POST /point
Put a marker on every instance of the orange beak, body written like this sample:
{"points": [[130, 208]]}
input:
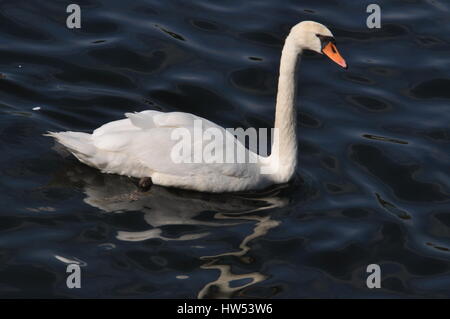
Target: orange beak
{"points": [[331, 51]]}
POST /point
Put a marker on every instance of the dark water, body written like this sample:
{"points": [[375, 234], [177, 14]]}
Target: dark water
{"points": [[373, 184]]}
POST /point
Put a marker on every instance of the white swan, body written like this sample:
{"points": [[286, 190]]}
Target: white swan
{"points": [[141, 145]]}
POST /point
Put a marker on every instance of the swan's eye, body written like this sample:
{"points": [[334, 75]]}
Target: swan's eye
{"points": [[325, 39]]}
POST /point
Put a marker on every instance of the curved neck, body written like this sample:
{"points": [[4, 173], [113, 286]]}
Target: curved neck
{"points": [[284, 148]]}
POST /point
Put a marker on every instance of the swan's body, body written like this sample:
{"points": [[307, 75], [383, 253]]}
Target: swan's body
{"points": [[141, 145]]}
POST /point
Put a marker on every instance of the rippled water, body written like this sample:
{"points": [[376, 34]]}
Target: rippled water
{"points": [[372, 187]]}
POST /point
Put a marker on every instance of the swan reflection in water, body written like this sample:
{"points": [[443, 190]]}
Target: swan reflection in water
{"points": [[163, 207]]}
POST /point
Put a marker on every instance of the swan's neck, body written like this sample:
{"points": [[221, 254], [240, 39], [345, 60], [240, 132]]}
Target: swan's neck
{"points": [[284, 148]]}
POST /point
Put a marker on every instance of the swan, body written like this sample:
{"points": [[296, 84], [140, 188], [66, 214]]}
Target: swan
{"points": [[141, 145]]}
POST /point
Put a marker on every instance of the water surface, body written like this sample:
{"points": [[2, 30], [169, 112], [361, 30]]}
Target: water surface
{"points": [[372, 186]]}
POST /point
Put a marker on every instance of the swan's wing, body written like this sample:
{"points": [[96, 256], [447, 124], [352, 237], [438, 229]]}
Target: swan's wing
{"points": [[146, 137], [115, 136], [151, 119], [155, 119], [126, 125]]}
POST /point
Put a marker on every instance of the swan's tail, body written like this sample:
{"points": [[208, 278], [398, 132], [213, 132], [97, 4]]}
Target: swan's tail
{"points": [[79, 144]]}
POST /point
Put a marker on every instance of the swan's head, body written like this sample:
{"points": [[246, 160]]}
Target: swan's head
{"points": [[316, 37]]}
